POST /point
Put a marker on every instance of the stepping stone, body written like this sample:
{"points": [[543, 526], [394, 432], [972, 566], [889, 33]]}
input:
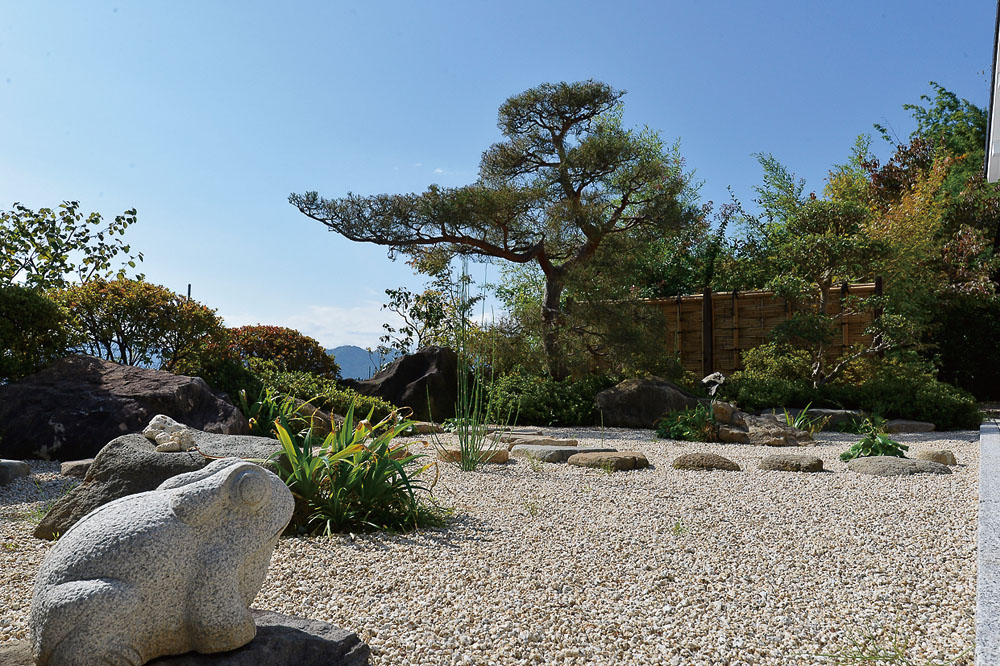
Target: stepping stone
{"points": [[943, 456], [12, 469], [425, 428], [892, 466], [553, 454], [790, 462], [704, 461], [902, 425], [612, 460], [514, 440], [454, 454], [76, 468]]}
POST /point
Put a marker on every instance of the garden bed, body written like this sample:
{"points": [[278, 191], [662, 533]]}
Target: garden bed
{"points": [[547, 563]]}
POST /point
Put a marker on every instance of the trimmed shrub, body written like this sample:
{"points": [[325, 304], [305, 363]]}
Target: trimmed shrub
{"points": [[33, 332], [288, 349], [134, 322], [324, 392], [544, 401]]}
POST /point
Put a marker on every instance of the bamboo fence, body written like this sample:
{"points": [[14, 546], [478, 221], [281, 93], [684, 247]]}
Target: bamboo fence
{"points": [[710, 331]]}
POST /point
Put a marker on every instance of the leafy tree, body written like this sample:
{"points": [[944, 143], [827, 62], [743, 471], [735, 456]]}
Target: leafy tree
{"points": [[566, 177], [288, 349], [32, 331], [41, 248], [133, 322]]}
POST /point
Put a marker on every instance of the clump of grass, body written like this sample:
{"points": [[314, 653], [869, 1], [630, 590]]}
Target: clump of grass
{"points": [[355, 479], [695, 424], [874, 646], [803, 421]]}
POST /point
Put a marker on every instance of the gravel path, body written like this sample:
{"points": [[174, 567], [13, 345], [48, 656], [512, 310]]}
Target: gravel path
{"points": [[562, 565]]}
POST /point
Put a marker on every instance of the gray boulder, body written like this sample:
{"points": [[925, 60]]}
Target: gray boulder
{"points": [[162, 572], [904, 425], [835, 418], [704, 461], [639, 403], [13, 469], [281, 640], [130, 464], [74, 407], [76, 468], [790, 462], [428, 376], [549, 453], [892, 466]]}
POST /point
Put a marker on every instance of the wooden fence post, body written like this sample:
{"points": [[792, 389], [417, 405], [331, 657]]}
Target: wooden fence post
{"points": [[707, 337]]}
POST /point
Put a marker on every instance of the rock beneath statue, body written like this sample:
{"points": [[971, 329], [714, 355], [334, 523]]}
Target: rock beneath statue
{"points": [[163, 572], [130, 464], [639, 403], [426, 380], [77, 405], [281, 640]]}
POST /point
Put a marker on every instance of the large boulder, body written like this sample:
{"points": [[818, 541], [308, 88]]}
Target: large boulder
{"points": [[73, 408], [736, 427], [426, 380], [131, 464], [638, 403], [163, 572]]}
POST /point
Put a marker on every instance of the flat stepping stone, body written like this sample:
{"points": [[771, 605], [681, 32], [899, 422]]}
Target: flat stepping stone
{"points": [[611, 460], [425, 428], [76, 468], [454, 454], [903, 425], [552, 454], [892, 466], [704, 461], [790, 462], [513, 440], [12, 469], [943, 456]]}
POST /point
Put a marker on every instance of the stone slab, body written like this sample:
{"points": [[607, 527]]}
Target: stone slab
{"points": [[528, 440], [12, 469], [552, 454], [988, 584], [903, 425], [76, 468], [893, 466], [704, 461], [611, 460], [282, 640], [791, 462], [943, 456], [454, 454]]}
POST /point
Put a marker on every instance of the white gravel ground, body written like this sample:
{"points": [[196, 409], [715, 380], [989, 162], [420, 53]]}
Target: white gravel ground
{"points": [[563, 565]]}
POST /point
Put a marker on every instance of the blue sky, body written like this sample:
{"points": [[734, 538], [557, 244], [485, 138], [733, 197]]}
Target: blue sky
{"points": [[205, 116]]}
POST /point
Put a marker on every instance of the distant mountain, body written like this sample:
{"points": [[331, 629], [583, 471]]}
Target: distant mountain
{"points": [[356, 363]]}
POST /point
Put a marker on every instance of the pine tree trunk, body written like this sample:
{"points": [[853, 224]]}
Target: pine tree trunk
{"points": [[551, 313]]}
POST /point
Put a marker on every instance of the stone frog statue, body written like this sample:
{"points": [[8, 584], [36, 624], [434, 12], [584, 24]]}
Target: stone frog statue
{"points": [[161, 572]]}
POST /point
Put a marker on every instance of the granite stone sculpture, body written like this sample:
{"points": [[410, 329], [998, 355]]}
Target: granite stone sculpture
{"points": [[162, 572]]}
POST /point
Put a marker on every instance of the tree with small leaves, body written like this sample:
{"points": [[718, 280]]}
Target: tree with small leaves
{"points": [[566, 176]]}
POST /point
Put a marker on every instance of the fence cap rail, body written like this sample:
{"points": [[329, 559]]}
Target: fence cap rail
{"points": [[860, 286]]}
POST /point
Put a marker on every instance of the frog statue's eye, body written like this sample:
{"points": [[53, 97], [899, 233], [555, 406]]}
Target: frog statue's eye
{"points": [[251, 488]]}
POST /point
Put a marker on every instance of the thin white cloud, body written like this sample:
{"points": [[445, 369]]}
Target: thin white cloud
{"points": [[418, 164], [439, 170]]}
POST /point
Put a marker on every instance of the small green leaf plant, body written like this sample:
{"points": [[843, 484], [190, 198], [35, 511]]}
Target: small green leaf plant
{"points": [[803, 421], [875, 443], [695, 424], [355, 479]]}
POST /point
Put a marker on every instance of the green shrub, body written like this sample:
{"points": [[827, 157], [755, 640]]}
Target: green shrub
{"points": [[695, 424], [321, 391], [545, 401], [134, 322], [354, 479], [288, 349], [32, 332]]}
